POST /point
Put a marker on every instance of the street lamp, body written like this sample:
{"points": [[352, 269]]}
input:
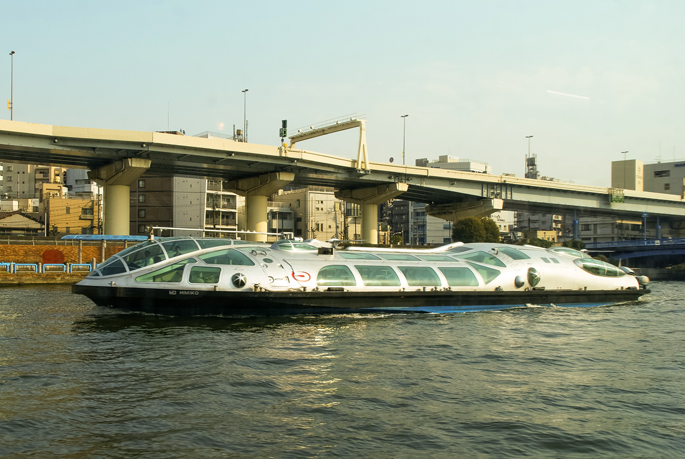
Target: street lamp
{"points": [[12, 86], [624, 153], [404, 136], [245, 115]]}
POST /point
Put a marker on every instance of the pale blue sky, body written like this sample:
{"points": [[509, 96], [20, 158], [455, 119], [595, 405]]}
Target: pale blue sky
{"points": [[474, 77]]}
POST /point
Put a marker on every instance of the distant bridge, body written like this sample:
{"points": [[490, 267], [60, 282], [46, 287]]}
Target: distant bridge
{"points": [[117, 158], [642, 253]]}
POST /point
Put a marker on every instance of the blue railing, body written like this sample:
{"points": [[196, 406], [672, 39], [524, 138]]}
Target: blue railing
{"points": [[635, 243], [47, 268], [32, 266], [62, 267]]}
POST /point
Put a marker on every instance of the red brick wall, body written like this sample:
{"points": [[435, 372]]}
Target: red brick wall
{"points": [[54, 253]]}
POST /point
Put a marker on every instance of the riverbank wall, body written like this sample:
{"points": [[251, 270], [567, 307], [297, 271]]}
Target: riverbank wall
{"points": [[32, 254]]}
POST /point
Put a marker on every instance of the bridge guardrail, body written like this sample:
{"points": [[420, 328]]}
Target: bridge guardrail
{"points": [[634, 243]]}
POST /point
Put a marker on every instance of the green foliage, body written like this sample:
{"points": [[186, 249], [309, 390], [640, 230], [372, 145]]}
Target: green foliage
{"points": [[396, 239], [491, 230], [575, 244], [601, 257], [545, 244], [469, 229]]}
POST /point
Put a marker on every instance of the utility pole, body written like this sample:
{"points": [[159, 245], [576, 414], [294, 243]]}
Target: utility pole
{"points": [[404, 135], [245, 115], [624, 153]]}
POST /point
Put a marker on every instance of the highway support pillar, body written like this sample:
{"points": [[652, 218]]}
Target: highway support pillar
{"points": [[369, 199], [116, 179], [256, 191]]}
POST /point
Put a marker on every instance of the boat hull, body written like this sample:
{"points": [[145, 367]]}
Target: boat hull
{"points": [[265, 303]]}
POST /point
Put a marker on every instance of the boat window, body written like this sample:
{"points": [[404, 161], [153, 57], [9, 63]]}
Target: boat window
{"points": [[397, 257], [358, 256], [598, 267], [554, 260], [179, 247], [145, 257], [513, 253], [204, 275], [211, 243], [226, 257], [237, 242], [459, 249], [436, 258], [259, 250], [420, 276], [336, 275], [545, 260], [133, 248], [482, 257], [171, 273], [287, 244], [488, 274], [568, 251], [115, 267], [459, 277], [378, 276]]}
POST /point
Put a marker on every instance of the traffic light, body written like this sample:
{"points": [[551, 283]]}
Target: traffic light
{"points": [[284, 129]]}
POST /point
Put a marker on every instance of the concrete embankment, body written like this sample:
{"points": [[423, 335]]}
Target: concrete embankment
{"points": [[9, 280], [655, 274]]}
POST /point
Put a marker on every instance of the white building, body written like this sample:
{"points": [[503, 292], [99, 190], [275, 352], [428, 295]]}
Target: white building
{"points": [[456, 164]]}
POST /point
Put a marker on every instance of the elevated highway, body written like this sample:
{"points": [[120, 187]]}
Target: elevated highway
{"points": [[116, 158]]}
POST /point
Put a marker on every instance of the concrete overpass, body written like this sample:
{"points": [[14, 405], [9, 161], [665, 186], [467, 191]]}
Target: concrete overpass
{"points": [[116, 158]]}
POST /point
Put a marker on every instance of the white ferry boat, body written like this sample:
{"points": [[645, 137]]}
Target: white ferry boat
{"points": [[222, 277]]}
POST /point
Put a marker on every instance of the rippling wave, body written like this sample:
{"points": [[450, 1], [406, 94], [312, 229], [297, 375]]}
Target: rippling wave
{"points": [[77, 380]]}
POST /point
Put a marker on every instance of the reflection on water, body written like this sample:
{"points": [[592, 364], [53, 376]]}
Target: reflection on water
{"points": [[80, 380]]}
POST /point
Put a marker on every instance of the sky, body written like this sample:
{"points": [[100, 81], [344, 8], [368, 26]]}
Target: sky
{"points": [[587, 79]]}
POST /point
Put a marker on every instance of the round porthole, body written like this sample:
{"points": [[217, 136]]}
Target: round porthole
{"points": [[267, 260], [519, 281], [533, 277], [239, 280]]}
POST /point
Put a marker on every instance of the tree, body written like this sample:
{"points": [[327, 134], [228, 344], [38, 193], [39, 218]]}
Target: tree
{"points": [[491, 229], [469, 229], [536, 242], [575, 244]]}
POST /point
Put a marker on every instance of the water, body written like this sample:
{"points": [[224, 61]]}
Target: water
{"points": [[82, 381]]}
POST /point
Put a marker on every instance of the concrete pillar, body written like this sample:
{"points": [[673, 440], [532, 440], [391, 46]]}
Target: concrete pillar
{"points": [[369, 199], [116, 178], [256, 191], [117, 212], [256, 217], [370, 223]]}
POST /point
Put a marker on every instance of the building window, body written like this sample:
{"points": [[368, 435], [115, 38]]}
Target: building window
{"points": [[67, 210], [667, 186], [10, 168], [141, 213], [141, 198], [585, 227], [658, 174], [141, 183], [141, 229]]}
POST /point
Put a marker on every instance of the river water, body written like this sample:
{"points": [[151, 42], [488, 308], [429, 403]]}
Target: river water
{"points": [[81, 381]]}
